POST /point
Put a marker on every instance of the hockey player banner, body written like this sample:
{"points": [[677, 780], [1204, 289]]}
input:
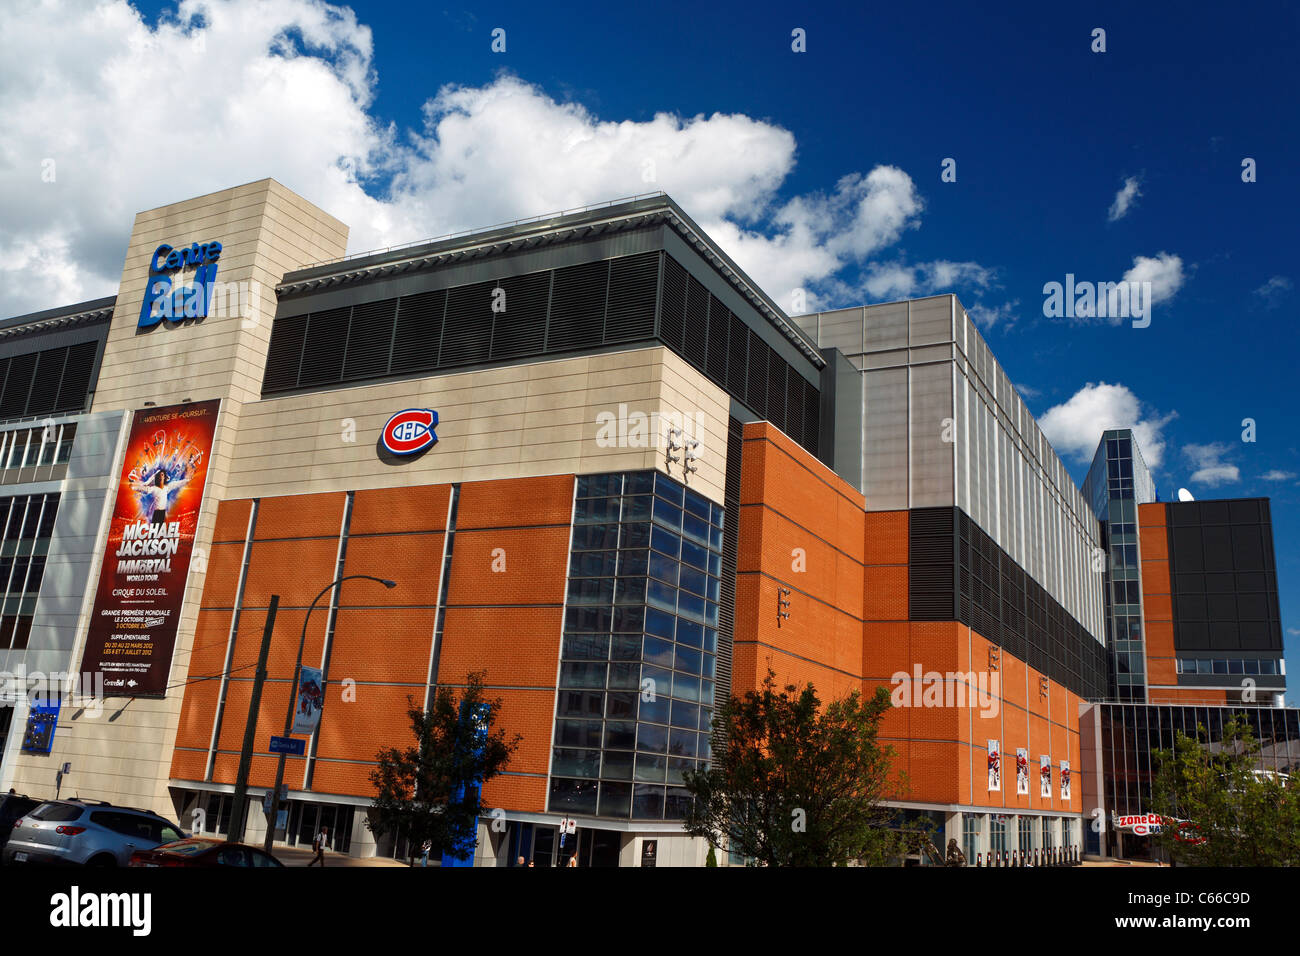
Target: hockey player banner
{"points": [[1045, 777], [995, 766], [147, 557], [1022, 771], [1065, 780], [306, 715]]}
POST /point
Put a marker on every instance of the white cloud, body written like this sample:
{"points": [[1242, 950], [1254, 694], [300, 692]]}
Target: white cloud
{"points": [[987, 316], [1210, 467], [897, 279], [1277, 475], [1074, 427], [1130, 191], [1274, 291], [228, 91], [1164, 271]]}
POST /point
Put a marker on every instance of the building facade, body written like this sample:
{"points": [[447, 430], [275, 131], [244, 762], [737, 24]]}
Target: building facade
{"points": [[1193, 635], [602, 468]]}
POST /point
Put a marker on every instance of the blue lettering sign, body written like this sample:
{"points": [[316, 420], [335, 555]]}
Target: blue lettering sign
{"points": [[161, 301]]}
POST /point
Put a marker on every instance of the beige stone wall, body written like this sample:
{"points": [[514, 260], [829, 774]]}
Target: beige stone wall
{"points": [[518, 421], [265, 230]]}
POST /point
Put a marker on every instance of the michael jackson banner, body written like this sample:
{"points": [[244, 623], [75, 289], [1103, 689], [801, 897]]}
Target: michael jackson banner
{"points": [[150, 540]]}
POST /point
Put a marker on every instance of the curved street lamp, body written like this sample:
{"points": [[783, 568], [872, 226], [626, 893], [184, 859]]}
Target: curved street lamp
{"points": [[293, 697]]}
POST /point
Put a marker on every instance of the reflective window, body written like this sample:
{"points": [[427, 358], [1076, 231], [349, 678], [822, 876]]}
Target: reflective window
{"points": [[639, 645]]}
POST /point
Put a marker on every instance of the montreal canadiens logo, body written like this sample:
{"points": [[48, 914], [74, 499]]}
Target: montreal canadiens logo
{"points": [[410, 431]]}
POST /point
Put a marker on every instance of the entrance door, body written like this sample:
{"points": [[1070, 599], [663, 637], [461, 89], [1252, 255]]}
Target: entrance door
{"points": [[308, 825]]}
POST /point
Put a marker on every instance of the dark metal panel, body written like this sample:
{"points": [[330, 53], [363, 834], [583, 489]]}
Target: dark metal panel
{"points": [[467, 325], [521, 328], [323, 347], [418, 334]]}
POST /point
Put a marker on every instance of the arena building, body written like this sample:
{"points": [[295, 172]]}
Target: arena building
{"points": [[597, 462]]}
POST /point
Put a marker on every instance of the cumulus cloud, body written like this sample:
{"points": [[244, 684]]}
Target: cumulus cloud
{"points": [[1130, 191], [1210, 467], [987, 316], [109, 99], [1074, 427], [1272, 292], [1163, 270]]}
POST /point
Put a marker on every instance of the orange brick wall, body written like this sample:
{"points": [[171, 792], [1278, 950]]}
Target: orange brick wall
{"points": [[849, 629], [801, 528], [507, 622], [1157, 600]]}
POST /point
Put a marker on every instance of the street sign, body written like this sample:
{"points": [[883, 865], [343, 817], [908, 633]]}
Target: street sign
{"points": [[288, 745]]}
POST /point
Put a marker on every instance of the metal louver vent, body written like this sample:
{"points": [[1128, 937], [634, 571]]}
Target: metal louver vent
{"points": [[418, 334], [578, 306], [633, 285], [369, 339], [324, 347], [520, 329], [467, 325], [672, 305]]}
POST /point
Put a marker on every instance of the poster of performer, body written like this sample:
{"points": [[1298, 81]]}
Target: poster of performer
{"points": [[306, 716], [1045, 777], [150, 539], [995, 766], [1065, 780], [1022, 771]]}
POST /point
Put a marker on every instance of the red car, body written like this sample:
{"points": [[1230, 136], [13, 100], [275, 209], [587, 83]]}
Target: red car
{"points": [[204, 851]]}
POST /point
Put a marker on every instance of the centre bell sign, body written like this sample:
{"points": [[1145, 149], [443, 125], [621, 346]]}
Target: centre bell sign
{"points": [[192, 301]]}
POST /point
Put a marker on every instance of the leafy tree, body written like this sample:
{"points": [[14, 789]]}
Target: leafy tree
{"points": [[1221, 810], [798, 784], [430, 792]]}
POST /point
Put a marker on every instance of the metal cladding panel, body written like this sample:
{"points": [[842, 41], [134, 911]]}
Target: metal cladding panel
{"points": [[886, 430], [94, 449], [930, 321], [843, 330], [930, 474], [886, 326], [961, 451]]}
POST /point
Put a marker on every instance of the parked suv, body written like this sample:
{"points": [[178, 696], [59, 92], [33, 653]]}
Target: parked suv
{"points": [[86, 832], [12, 807]]}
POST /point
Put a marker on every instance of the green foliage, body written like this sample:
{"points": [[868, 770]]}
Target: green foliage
{"points": [[712, 858], [1241, 816], [426, 791], [798, 784]]}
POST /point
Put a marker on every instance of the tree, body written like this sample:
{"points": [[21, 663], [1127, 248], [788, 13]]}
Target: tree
{"points": [[798, 784], [431, 792], [1219, 808]]}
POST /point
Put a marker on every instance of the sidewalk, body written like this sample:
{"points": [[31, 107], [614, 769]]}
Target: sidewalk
{"points": [[301, 856]]}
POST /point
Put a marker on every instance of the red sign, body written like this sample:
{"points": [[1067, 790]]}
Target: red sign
{"points": [[410, 431], [1141, 824], [147, 557]]}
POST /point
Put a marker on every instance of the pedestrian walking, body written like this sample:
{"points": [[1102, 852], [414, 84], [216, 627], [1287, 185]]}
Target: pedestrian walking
{"points": [[319, 844]]}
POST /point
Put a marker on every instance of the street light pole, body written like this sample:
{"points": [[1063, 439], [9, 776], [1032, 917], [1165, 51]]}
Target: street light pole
{"points": [[273, 816]]}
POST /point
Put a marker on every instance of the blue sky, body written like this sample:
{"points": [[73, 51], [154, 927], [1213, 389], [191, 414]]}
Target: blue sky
{"points": [[1045, 134]]}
